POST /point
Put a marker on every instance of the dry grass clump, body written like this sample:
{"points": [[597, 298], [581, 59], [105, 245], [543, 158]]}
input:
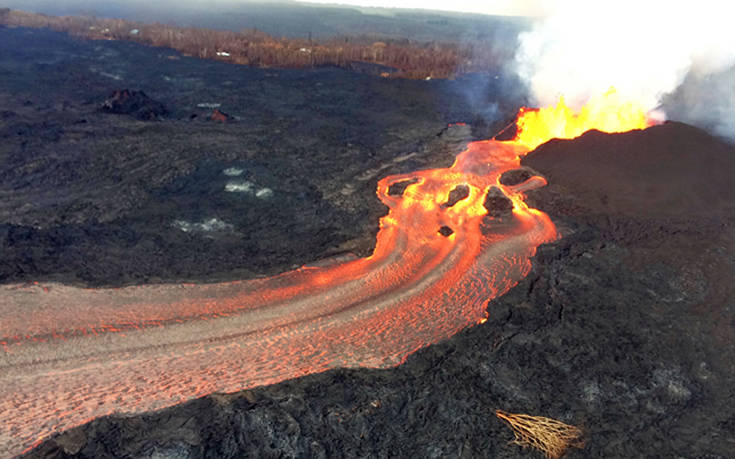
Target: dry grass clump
{"points": [[548, 435], [255, 48]]}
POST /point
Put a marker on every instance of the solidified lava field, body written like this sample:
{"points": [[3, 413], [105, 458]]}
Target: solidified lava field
{"points": [[95, 199], [624, 326]]}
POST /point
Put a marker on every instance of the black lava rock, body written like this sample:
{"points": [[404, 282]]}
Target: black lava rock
{"points": [[497, 203], [134, 103], [446, 231], [515, 177], [459, 193], [397, 188]]}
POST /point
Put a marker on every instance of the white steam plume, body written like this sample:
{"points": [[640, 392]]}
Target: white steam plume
{"points": [[643, 48]]}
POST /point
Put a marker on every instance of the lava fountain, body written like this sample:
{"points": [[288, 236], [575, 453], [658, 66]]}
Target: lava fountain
{"points": [[453, 239]]}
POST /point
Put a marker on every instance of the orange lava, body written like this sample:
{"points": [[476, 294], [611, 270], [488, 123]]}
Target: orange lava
{"points": [[68, 355], [72, 354], [607, 113]]}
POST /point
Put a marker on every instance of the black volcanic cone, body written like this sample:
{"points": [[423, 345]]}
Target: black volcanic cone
{"points": [[671, 169]]}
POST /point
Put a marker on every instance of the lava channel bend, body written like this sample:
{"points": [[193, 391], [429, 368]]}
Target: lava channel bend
{"points": [[68, 355]]}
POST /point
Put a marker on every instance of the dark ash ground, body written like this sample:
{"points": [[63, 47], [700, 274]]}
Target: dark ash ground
{"points": [[625, 326]]}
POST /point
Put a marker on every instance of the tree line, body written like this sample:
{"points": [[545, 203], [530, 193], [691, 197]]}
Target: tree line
{"points": [[394, 58]]}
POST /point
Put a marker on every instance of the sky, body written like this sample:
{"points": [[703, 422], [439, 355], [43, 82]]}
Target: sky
{"points": [[502, 7]]}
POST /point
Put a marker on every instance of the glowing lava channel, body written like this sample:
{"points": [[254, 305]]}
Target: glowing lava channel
{"points": [[68, 354]]}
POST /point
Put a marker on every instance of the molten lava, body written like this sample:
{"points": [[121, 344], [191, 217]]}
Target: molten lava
{"points": [[607, 113], [453, 239]]}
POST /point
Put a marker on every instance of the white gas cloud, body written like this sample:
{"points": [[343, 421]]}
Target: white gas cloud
{"points": [[645, 49]]}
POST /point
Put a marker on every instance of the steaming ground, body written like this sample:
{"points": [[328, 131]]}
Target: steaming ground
{"points": [[706, 100]]}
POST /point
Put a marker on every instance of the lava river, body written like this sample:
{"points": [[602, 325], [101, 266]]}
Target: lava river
{"points": [[453, 239], [68, 355]]}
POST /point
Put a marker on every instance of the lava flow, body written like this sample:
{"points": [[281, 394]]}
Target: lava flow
{"points": [[453, 239]]}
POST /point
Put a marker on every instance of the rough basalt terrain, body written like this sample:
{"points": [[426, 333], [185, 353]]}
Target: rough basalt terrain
{"points": [[111, 172], [625, 326]]}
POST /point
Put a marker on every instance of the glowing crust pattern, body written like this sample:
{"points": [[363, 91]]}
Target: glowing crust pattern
{"points": [[68, 355]]}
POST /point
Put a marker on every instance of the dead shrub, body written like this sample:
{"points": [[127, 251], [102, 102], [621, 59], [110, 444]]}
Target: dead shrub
{"points": [[548, 435]]}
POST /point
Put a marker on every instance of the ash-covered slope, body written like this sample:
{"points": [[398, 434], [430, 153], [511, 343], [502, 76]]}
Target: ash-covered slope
{"points": [[624, 327]]}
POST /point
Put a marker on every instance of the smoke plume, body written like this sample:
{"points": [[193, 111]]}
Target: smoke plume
{"points": [[668, 56]]}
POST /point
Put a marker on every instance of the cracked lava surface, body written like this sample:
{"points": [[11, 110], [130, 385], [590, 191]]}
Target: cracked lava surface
{"points": [[68, 354]]}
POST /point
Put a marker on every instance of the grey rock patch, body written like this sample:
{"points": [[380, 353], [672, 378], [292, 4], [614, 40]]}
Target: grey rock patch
{"points": [[206, 226], [233, 171]]}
